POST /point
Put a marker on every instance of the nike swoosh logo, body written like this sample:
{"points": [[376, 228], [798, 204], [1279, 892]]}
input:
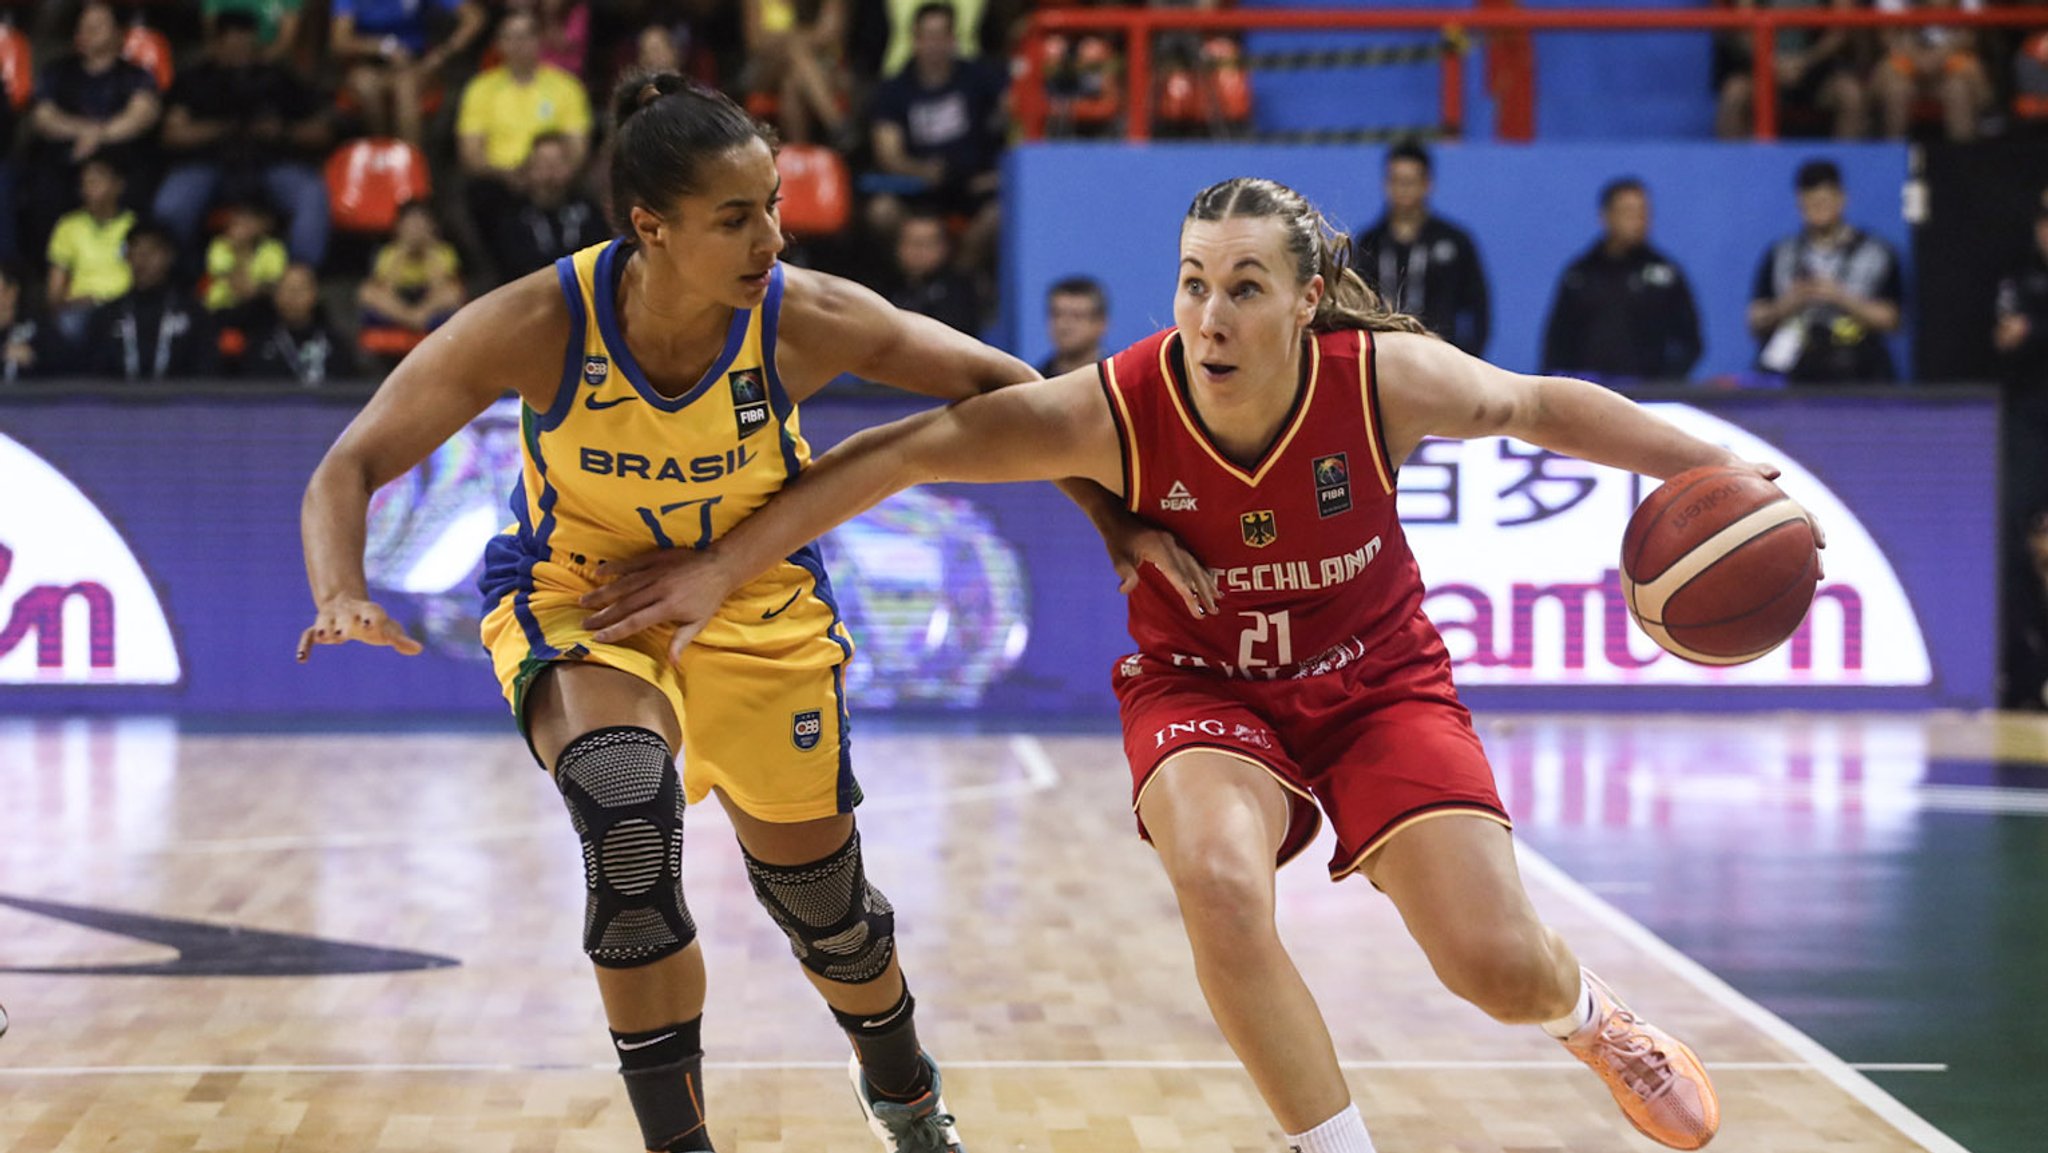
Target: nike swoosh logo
{"points": [[206, 950], [878, 1022], [595, 405], [629, 1046], [773, 613]]}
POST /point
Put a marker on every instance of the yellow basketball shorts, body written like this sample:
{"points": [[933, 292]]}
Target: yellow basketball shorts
{"points": [[759, 696]]}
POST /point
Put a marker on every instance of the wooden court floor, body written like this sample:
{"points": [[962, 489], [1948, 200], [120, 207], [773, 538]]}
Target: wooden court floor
{"points": [[1039, 935]]}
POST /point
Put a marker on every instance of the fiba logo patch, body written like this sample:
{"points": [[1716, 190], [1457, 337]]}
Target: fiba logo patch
{"points": [[1259, 528], [749, 401], [805, 729], [595, 369], [1333, 485]]}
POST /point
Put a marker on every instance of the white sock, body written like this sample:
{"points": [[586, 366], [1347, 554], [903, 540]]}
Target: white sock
{"points": [[1344, 1133], [1578, 1018]]}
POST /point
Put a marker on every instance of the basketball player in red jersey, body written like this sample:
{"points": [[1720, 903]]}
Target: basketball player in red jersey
{"points": [[1266, 429]]}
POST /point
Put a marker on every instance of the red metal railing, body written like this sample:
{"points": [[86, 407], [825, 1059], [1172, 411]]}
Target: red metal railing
{"points": [[1137, 26]]}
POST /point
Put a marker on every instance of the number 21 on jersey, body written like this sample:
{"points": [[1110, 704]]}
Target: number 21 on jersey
{"points": [[1268, 632]]}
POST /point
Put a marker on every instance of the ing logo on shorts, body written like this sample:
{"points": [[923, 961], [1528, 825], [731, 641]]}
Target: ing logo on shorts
{"points": [[806, 728]]}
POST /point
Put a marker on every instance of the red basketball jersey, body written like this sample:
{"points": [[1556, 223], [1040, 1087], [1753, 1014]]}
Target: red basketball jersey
{"points": [[1305, 544]]}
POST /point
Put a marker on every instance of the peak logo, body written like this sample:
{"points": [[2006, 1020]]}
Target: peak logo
{"points": [[1519, 549], [75, 606]]}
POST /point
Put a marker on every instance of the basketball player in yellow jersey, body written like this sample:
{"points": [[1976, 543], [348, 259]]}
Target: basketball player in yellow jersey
{"points": [[660, 375]]}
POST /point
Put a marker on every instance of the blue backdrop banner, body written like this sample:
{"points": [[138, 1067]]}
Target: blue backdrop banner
{"points": [[149, 560]]}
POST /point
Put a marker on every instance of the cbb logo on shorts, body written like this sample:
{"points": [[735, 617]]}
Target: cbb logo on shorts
{"points": [[805, 729]]}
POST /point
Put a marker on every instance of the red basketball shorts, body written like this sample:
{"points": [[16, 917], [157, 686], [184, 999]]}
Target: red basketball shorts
{"points": [[1374, 751]]}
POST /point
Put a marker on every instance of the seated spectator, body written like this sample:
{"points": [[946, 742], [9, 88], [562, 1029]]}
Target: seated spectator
{"points": [[390, 58], [938, 135], [1421, 263], [277, 24], [1816, 77], [551, 219], [564, 28], [795, 64], [10, 223], [154, 331], [416, 281], [1825, 299], [243, 263], [24, 342], [290, 339], [88, 251], [925, 284], [89, 104], [1934, 64], [505, 109], [1623, 310], [2020, 333], [237, 124], [1076, 318]]}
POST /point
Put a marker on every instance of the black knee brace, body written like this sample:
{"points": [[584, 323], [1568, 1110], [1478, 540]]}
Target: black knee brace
{"points": [[839, 926], [627, 803]]}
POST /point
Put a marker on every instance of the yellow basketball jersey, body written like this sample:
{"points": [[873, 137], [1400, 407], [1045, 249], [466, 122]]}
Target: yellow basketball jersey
{"points": [[615, 469]]}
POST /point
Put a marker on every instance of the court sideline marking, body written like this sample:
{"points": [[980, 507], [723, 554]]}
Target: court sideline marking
{"points": [[1844, 1076], [840, 1067]]}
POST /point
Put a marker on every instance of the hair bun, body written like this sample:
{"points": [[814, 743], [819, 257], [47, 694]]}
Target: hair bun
{"points": [[643, 90]]}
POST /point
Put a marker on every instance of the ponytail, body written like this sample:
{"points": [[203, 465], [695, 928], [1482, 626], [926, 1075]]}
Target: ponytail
{"points": [[665, 128]]}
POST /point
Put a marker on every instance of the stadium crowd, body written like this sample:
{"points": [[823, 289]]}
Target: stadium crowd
{"points": [[301, 189]]}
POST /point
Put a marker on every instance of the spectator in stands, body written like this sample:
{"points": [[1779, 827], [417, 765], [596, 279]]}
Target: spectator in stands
{"points": [[89, 104], [1076, 319], [925, 282], [1935, 64], [794, 64], [24, 341], [887, 44], [291, 339], [504, 110], [239, 126], [243, 263], [1825, 299], [277, 24], [938, 135], [551, 218], [2020, 335], [416, 281], [1623, 310], [154, 331], [1815, 74], [564, 30], [10, 224], [88, 251], [1419, 262], [390, 58]]}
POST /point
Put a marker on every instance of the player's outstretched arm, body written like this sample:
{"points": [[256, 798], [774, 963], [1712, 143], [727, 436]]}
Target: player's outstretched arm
{"points": [[455, 374], [1036, 431], [1430, 388], [832, 325]]}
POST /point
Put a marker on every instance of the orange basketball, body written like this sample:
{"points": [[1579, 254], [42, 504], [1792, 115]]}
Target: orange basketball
{"points": [[1719, 565]]}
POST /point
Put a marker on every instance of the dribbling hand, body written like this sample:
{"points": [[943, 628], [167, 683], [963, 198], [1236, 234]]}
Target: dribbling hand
{"points": [[347, 619], [1771, 472]]}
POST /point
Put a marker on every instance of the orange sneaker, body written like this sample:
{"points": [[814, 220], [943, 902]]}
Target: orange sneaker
{"points": [[1661, 1087]]}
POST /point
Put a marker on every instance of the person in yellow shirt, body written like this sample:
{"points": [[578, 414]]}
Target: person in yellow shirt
{"points": [[88, 259], [416, 281], [244, 262], [504, 110]]}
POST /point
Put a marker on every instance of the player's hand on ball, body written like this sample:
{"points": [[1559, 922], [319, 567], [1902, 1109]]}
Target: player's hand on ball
{"points": [[345, 619], [1770, 471], [1138, 544], [671, 586]]}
